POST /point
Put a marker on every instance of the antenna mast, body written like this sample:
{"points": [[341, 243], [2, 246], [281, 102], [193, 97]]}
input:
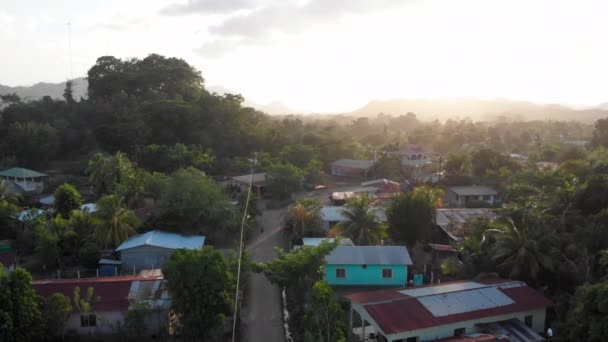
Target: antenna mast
{"points": [[69, 24]]}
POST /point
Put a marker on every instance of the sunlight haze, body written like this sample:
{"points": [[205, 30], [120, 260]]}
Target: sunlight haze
{"points": [[327, 56]]}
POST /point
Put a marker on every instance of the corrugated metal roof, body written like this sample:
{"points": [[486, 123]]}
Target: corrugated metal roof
{"points": [[513, 329], [113, 292], [379, 182], [452, 220], [354, 163], [395, 312], [257, 178], [314, 241], [162, 239], [47, 199], [334, 214], [29, 214], [20, 172], [369, 255], [475, 190], [89, 207]]}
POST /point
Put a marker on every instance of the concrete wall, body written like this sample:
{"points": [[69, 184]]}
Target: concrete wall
{"points": [[456, 201], [538, 324], [144, 257], [370, 275], [109, 322]]}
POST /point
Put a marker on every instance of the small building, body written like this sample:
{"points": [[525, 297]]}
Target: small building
{"points": [[368, 266], [333, 215], [112, 299], [258, 185], [152, 249], [451, 221], [23, 181], [351, 168], [498, 307], [412, 155], [461, 196], [442, 252]]}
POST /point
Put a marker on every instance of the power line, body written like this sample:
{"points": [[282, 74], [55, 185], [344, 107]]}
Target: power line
{"points": [[240, 254]]}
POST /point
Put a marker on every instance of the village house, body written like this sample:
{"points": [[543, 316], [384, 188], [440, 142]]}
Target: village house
{"points": [[112, 299], [462, 196], [18, 180], [258, 185], [506, 310], [152, 249], [412, 155], [368, 266], [315, 241], [332, 215], [351, 168], [451, 221]]}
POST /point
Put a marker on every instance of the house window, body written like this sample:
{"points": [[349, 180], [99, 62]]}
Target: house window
{"points": [[340, 273], [487, 197], [412, 339], [89, 320], [528, 321], [387, 273], [459, 332]]}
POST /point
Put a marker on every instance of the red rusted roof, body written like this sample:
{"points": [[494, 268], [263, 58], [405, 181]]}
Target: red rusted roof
{"points": [[8, 258], [113, 292], [395, 312]]}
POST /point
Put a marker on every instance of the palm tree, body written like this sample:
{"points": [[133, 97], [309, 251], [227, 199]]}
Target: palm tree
{"points": [[303, 218], [362, 224], [117, 222], [520, 251]]}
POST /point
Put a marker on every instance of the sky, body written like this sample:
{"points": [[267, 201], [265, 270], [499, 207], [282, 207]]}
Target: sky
{"points": [[327, 55]]}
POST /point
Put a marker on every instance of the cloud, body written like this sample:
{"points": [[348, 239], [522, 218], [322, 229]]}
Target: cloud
{"points": [[208, 6], [256, 26], [292, 17]]}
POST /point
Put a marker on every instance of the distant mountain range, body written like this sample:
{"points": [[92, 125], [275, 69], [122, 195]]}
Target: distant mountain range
{"points": [[481, 110], [423, 108], [54, 90]]}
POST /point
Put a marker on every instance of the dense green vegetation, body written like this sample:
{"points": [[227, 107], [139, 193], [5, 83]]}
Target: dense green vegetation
{"points": [[150, 131]]}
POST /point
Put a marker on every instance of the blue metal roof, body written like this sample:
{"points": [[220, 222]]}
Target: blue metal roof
{"points": [[369, 255], [162, 239]]}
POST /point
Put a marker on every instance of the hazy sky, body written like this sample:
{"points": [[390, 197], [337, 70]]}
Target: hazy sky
{"points": [[327, 55]]}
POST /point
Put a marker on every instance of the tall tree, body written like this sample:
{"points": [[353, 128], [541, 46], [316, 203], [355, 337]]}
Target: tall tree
{"points": [[197, 204], [522, 252], [56, 309], [362, 224], [67, 198], [106, 174], [117, 222], [410, 217], [201, 286], [325, 319], [20, 314], [304, 218], [68, 93]]}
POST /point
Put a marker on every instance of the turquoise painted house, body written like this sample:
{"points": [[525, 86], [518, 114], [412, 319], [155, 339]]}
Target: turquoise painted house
{"points": [[368, 266]]}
